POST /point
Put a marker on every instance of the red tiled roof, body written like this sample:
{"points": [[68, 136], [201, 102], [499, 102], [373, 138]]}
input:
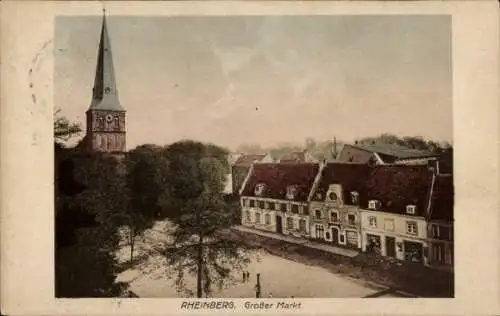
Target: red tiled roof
{"points": [[350, 176], [277, 177], [397, 186], [443, 199], [246, 160]]}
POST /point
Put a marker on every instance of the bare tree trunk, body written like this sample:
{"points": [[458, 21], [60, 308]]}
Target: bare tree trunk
{"points": [[132, 242], [200, 268]]}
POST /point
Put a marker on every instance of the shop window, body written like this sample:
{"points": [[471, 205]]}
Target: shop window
{"points": [[320, 231], [302, 225]]}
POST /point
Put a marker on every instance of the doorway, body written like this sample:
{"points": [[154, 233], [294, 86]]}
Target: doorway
{"points": [[279, 225], [390, 246], [335, 235]]}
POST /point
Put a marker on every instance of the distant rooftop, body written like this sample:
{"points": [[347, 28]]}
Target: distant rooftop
{"points": [[397, 151], [249, 159]]}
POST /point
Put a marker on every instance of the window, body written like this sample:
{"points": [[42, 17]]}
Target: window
{"points": [[332, 196], [334, 217], [283, 207], [355, 197], [302, 225], [289, 223], [305, 210], [341, 239], [268, 219], [301, 209], [262, 205], [259, 189], [272, 206], [411, 228], [295, 208], [291, 190], [374, 204], [248, 216], [319, 196], [351, 219], [317, 214], [372, 220], [435, 231], [410, 209], [257, 217], [389, 225], [252, 203], [320, 231]]}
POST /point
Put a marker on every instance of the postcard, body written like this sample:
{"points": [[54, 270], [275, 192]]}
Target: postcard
{"points": [[164, 158]]}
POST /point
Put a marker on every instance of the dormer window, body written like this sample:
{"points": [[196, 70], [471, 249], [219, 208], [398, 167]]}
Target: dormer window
{"points": [[259, 189], [374, 204], [332, 196], [411, 209], [355, 198], [291, 191]]}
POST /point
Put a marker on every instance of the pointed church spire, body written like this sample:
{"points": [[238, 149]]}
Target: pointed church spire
{"points": [[105, 94]]}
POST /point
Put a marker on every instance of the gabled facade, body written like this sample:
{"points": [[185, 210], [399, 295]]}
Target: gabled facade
{"points": [[334, 207], [394, 205], [440, 223], [274, 197]]}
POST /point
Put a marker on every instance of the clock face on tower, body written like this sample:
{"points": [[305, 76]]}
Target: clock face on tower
{"points": [[108, 122]]}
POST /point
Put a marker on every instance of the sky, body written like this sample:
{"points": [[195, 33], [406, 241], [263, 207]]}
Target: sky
{"points": [[232, 80]]}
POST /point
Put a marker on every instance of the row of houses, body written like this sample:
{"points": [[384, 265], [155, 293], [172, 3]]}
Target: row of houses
{"points": [[404, 211], [373, 154]]}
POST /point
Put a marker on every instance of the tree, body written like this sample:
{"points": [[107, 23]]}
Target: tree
{"points": [[63, 128], [195, 201], [144, 183], [88, 267]]}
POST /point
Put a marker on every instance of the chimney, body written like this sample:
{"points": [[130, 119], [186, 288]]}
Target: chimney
{"points": [[334, 148]]}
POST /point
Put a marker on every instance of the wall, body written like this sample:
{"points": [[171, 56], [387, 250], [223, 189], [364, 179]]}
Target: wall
{"points": [[441, 248], [271, 227], [342, 224], [296, 218], [399, 231]]}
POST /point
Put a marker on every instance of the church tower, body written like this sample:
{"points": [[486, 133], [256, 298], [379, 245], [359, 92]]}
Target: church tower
{"points": [[105, 117]]}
